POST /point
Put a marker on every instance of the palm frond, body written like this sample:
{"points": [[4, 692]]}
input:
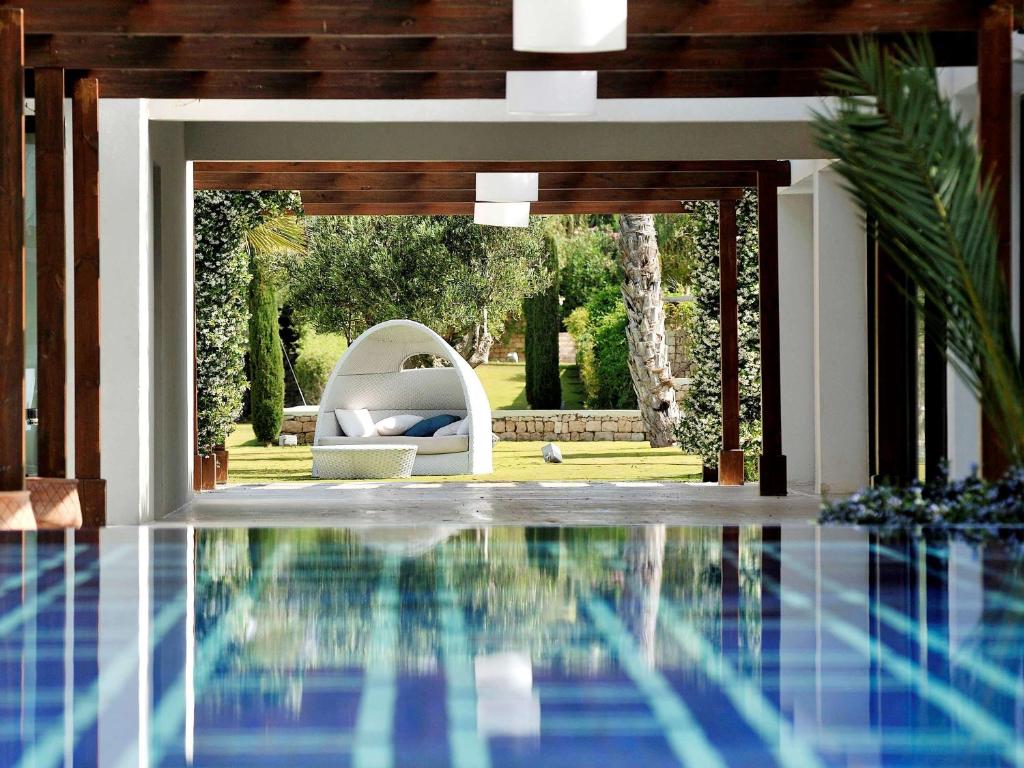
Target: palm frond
{"points": [[283, 234], [912, 163]]}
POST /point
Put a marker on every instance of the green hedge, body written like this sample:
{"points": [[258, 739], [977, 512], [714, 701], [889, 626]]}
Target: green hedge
{"points": [[541, 312], [602, 351]]}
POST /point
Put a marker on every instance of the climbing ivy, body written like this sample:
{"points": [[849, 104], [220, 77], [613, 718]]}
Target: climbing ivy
{"points": [[220, 221], [700, 427]]}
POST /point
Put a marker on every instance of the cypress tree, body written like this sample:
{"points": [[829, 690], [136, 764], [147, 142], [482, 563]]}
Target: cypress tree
{"points": [[543, 386], [265, 361]]}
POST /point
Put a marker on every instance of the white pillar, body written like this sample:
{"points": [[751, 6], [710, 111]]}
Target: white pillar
{"points": [[796, 321], [840, 338], [126, 309]]}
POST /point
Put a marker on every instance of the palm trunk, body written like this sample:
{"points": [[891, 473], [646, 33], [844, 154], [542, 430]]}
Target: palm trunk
{"points": [[645, 327]]}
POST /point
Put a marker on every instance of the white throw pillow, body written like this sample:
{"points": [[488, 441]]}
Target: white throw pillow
{"points": [[396, 425], [355, 423], [450, 429], [463, 427]]}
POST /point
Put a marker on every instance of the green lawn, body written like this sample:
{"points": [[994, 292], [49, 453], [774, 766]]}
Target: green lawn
{"points": [[513, 462], [505, 384]]}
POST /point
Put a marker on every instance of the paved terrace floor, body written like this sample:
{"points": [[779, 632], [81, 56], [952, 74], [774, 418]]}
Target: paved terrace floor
{"points": [[540, 503]]}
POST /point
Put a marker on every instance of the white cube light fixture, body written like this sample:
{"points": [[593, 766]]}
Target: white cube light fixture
{"points": [[569, 26], [507, 187], [551, 93], [502, 214]]}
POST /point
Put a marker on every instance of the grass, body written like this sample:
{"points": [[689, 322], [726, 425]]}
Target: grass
{"points": [[505, 384], [331, 345], [513, 462]]}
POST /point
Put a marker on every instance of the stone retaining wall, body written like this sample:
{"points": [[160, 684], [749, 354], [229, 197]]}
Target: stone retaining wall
{"points": [[564, 426]]}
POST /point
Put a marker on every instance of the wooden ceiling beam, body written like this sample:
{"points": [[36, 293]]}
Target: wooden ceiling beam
{"points": [[374, 196], [430, 54], [165, 84], [355, 182], [468, 166], [538, 209], [311, 18]]}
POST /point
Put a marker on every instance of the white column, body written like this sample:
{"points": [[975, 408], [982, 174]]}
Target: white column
{"points": [[126, 308], [840, 338], [796, 322]]}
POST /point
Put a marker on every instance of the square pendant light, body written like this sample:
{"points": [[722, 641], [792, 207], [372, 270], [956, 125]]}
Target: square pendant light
{"points": [[507, 187], [569, 26], [551, 93], [502, 214]]}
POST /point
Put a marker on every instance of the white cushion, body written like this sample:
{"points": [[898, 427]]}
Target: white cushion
{"points": [[449, 429], [396, 425], [355, 423], [463, 427], [425, 446]]}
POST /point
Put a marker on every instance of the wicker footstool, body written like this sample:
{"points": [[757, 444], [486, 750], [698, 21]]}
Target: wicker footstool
{"points": [[362, 462]]}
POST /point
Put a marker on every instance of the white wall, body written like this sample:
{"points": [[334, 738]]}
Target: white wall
{"points": [[126, 315], [171, 237], [796, 326], [840, 338]]}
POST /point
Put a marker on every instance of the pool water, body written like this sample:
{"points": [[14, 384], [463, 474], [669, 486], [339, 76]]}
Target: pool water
{"points": [[636, 646]]}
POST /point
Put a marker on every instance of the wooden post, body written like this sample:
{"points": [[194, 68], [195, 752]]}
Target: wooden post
{"points": [[995, 88], [730, 598], [894, 331], [50, 246], [730, 460], [85, 131], [772, 463], [12, 250]]}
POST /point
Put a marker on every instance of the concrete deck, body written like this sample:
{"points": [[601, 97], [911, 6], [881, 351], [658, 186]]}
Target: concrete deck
{"points": [[544, 503]]}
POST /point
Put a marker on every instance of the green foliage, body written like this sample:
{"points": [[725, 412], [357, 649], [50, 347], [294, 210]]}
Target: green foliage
{"points": [[445, 272], [677, 245], [586, 263], [222, 221], [913, 164], [265, 359], [700, 427], [602, 351], [543, 383], [290, 335], [318, 354]]}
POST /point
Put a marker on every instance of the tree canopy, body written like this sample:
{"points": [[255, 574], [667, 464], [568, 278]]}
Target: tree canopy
{"points": [[445, 272]]}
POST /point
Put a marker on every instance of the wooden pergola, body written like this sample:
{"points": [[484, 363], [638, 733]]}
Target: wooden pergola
{"points": [[410, 49]]}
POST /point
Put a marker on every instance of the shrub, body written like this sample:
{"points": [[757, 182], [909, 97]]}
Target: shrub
{"points": [[541, 311], [602, 351], [266, 363], [586, 264], [939, 504], [700, 427]]}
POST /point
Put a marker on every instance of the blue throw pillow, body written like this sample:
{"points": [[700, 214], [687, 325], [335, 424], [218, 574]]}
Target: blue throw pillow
{"points": [[428, 427]]}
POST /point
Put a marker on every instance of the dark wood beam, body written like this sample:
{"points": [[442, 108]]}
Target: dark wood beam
{"points": [[312, 18], [778, 171], [155, 84], [51, 260], [466, 209], [730, 459], [12, 251], [85, 155], [772, 462], [995, 89], [546, 195], [380, 182], [445, 54]]}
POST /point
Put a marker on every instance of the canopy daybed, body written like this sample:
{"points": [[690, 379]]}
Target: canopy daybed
{"points": [[370, 375]]}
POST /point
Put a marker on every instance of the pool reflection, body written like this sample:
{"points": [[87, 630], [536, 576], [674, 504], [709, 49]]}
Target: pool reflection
{"points": [[509, 646]]}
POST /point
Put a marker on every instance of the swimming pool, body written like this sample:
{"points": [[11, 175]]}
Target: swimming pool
{"points": [[645, 646]]}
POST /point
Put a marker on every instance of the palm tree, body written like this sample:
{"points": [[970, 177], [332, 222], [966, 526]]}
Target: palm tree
{"points": [[913, 164], [645, 327]]}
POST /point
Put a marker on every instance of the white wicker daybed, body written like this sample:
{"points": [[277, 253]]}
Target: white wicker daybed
{"points": [[369, 375]]}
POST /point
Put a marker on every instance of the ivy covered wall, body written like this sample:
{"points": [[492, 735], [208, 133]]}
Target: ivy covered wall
{"points": [[700, 428], [221, 220]]}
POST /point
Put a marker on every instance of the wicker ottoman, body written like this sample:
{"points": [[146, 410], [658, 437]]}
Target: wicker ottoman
{"points": [[362, 462]]}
